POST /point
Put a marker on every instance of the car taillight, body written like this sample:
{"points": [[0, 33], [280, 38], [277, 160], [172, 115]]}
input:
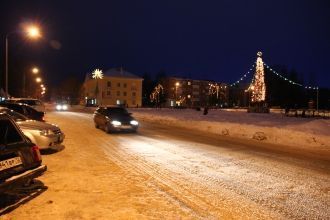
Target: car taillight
{"points": [[36, 154]]}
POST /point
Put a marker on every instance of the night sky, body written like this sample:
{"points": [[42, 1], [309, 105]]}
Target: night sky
{"points": [[215, 40]]}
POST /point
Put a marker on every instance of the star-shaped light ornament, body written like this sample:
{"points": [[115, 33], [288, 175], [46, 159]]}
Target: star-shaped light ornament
{"points": [[97, 74]]}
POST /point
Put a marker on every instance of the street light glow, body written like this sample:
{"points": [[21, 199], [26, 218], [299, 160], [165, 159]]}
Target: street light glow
{"points": [[35, 70], [33, 31], [38, 80]]}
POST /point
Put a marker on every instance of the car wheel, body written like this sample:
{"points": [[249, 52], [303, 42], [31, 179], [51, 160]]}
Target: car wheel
{"points": [[107, 128]]}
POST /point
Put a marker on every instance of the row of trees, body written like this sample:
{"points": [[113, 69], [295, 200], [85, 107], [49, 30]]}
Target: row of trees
{"points": [[287, 95]]}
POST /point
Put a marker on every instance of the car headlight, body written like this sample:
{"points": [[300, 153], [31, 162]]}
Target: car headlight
{"points": [[46, 132], [64, 107], [134, 122], [116, 123], [58, 107]]}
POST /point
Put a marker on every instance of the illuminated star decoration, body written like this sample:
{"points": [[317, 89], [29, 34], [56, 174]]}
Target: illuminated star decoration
{"points": [[97, 74]]}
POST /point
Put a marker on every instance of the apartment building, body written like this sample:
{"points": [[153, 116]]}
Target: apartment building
{"points": [[117, 87], [194, 93]]}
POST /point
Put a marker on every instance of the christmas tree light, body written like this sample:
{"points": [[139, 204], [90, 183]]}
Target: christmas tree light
{"points": [[258, 87]]}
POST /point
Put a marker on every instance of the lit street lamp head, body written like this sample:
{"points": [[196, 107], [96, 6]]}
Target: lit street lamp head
{"points": [[38, 80], [35, 70], [33, 32]]}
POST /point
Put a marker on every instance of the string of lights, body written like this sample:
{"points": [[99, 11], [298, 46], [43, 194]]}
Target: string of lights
{"points": [[290, 81], [243, 77]]}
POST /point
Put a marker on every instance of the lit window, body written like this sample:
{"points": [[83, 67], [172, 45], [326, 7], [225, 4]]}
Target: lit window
{"points": [[189, 96], [189, 83]]}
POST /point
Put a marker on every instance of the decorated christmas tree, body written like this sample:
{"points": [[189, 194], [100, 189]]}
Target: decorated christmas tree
{"points": [[258, 87]]}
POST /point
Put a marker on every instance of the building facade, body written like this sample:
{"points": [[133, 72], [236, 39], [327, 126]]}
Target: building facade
{"points": [[194, 93], [117, 87]]}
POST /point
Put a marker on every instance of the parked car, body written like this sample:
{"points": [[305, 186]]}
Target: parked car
{"points": [[24, 109], [114, 118], [20, 160], [35, 103], [43, 134]]}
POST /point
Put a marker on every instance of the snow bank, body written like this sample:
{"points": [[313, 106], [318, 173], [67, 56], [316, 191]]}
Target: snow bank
{"points": [[272, 128]]}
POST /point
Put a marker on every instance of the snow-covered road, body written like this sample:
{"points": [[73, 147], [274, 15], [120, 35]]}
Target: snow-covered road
{"points": [[169, 172]]}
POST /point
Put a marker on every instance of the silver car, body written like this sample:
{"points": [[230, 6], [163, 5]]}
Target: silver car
{"points": [[43, 134]]}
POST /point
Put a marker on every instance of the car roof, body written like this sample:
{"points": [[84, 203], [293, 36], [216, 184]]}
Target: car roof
{"points": [[18, 103], [24, 99], [4, 116]]}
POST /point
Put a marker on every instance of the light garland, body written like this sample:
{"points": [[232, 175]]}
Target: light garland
{"points": [[290, 81], [154, 96], [242, 78]]}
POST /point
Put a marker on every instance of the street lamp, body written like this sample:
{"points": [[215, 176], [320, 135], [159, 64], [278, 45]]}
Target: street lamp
{"points": [[38, 80], [31, 31], [177, 84], [34, 70]]}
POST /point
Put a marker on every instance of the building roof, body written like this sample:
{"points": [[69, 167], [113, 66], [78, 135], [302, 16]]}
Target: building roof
{"points": [[121, 73], [115, 72]]}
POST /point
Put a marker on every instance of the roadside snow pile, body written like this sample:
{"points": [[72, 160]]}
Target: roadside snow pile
{"points": [[272, 128]]}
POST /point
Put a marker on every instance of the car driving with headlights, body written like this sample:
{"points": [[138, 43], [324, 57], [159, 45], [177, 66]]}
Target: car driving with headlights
{"points": [[61, 106], [20, 160], [113, 118], [43, 134]]}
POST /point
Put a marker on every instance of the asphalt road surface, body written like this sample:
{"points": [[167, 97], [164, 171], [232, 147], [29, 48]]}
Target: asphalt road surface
{"points": [[169, 172]]}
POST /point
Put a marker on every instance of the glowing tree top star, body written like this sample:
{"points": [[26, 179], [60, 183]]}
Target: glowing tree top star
{"points": [[97, 74], [258, 87]]}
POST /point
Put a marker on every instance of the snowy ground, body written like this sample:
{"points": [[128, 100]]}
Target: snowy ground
{"points": [[272, 128], [166, 172]]}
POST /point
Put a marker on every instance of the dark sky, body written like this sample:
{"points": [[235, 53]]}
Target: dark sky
{"points": [[216, 40]]}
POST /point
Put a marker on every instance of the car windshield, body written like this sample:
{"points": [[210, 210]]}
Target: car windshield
{"points": [[117, 111], [15, 115]]}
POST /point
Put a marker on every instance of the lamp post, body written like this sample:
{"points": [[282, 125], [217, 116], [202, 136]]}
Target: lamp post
{"points": [[32, 32], [34, 70], [177, 84]]}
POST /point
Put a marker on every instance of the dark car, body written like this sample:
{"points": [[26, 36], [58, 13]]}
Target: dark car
{"points": [[20, 160], [114, 119], [25, 110]]}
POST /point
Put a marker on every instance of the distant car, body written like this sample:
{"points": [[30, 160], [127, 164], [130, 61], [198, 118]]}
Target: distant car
{"points": [[25, 110], [20, 160], [61, 106], [35, 103], [114, 118], [43, 134]]}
